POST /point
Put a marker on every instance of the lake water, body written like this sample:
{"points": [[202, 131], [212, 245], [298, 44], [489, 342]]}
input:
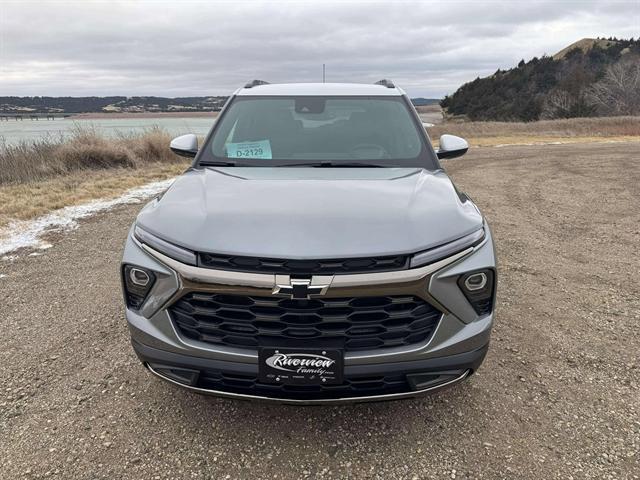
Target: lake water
{"points": [[13, 131]]}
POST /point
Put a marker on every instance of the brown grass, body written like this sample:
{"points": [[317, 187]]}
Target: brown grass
{"points": [[85, 150], [29, 200], [41, 176], [602, 127], [429, 108]]}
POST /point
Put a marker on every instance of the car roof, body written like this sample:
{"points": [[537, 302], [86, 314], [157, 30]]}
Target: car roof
{"points": [[321, 89]]}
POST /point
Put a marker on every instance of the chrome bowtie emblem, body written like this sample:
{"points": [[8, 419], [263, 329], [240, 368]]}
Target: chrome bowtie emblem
{"points": [[300, 289]]}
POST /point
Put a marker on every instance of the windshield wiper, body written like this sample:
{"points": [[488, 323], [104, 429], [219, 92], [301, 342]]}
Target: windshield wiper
{"points": [[332, 165], [217, 164], [305, 164]]}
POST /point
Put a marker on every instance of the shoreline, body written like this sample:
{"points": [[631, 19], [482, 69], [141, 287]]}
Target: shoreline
{"points": [[121, 115]]}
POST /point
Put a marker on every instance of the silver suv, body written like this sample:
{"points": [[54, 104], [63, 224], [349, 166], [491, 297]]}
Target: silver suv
{"points": [[315, 252]]}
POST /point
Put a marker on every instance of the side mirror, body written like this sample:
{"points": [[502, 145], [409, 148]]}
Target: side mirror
{"points": [[185, 145], [452, 146]]}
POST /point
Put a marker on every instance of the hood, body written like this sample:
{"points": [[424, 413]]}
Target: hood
{"points": [[303, 213]]}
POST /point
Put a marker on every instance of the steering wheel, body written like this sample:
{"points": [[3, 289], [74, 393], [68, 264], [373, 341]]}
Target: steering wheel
{"points": [[377, 150]]}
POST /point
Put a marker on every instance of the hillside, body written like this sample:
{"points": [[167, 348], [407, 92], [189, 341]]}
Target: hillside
{"points": [[588, 78], [59, 105], [585, 45], [108, 104]]}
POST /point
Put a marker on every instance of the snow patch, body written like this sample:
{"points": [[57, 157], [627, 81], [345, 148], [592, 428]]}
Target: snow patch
{"points": [[570, 142], [530, 144], [21, 234]]}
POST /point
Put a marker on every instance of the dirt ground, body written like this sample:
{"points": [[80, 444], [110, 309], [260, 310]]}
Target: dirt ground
{"points": [[557, 397]]}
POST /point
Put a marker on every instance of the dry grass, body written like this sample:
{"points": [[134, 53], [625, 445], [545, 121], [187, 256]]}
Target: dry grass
{"points": [[84, 151], [483, 132], [429, 108], [38, 177], [502, 141], [545, 140], [29, 200]]}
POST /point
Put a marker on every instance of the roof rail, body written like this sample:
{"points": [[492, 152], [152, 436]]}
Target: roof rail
{"points": [[255, 83], [386, 83]]}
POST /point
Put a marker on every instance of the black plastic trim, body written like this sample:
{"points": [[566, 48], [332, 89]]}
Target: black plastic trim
{"points": [[441, 365], [350, 323], [288, 266], [133, 299], [482, 300]]}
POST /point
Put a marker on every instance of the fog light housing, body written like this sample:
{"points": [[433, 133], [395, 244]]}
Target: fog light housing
{"points": [[475, 281], [139, 277], [137, 283], [478, 287]]}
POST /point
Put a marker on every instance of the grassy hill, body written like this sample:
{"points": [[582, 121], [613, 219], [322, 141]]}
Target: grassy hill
{"points": [[588, 78], [585, 45]]}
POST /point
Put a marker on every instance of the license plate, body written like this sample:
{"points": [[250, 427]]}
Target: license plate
{"points": [[294, 366]]}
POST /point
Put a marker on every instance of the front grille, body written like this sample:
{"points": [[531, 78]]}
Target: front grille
{"points": [[304, 267], [352, 324], [351, 387]]}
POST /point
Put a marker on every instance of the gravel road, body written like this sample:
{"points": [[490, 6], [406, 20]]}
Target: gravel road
{"points": [[557, 397]]}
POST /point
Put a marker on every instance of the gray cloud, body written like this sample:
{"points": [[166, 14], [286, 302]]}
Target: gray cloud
{"points": [[199, 48]]}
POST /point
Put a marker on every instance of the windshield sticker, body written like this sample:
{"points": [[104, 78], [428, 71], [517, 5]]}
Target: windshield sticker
{"points": [[259, 149]]}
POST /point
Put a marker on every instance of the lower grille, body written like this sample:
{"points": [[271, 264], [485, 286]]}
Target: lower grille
{"points": [[483, 307], [352, 387], [352, 324]]}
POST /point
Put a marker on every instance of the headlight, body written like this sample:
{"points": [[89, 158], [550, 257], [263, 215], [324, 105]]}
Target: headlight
{"points": [[169, 249], [137, 283], [448, 249], [478, 287]]}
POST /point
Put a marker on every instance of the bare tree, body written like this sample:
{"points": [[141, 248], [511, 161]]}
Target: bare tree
{"points": [[568, 98], [558, 104], [618, 93]]}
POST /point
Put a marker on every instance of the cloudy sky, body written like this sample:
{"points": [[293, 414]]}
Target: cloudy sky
{"points": [[183, 48]]}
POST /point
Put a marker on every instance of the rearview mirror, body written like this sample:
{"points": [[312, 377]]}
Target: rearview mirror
{"points": [[452, 146], [185, 145]]}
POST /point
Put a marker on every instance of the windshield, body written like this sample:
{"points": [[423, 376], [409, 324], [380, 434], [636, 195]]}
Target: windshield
{"points": [[318, 131]]}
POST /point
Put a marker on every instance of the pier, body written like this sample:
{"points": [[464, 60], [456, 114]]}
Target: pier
{"points": [[5, 117]]}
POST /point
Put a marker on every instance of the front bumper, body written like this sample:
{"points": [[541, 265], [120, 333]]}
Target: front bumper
{"points": [[419, 378], [454, 351]]}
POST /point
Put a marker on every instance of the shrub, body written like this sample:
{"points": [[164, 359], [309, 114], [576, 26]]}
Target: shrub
{"points": [[83, 149]]}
